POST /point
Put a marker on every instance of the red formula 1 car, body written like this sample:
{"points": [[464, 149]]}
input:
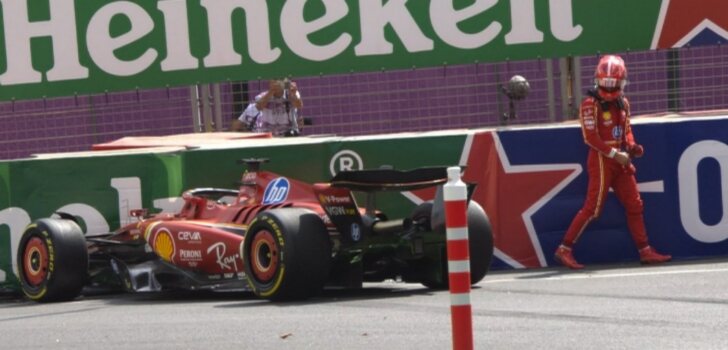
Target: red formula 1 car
{"points": [[279, 237]]}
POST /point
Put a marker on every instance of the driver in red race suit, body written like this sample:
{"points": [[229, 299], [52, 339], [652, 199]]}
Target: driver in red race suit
{"points": [[604, 117]]}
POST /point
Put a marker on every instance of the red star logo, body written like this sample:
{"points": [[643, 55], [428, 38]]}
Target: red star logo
{"points": [[682, 20], [510, 194]]}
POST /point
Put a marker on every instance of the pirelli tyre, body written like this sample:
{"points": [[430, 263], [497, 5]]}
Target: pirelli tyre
{"points": [[480, 241], [287, 254], [52, 260]]}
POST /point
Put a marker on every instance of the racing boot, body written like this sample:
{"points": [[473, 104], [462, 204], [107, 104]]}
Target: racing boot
{"points": [[564, 256], [649, 255]]}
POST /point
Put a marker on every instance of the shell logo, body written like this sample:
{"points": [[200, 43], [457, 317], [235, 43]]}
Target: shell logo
{"points": [[164, 245]]}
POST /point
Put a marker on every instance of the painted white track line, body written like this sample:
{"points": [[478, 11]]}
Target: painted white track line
{"points": [[595, 274]]}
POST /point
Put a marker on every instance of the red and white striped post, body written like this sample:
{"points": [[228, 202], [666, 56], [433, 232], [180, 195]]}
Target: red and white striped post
{"points": [[458, 259]]}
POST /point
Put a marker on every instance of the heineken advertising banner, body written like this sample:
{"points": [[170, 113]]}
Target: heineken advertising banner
{"points": [[65, 47]]}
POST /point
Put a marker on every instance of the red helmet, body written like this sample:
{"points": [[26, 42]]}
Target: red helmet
{"points": [[610, 77]]}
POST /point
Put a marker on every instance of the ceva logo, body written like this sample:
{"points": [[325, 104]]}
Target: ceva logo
{"points": [[276, 191]]}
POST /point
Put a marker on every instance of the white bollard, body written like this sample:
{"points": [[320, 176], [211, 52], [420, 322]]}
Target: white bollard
{"points": [[458, 259]]}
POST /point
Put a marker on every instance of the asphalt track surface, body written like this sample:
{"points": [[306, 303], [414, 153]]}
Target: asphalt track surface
{"points": [[673, 306]]}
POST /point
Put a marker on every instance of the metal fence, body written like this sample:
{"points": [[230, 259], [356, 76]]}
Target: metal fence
{"points": [[418, 99]]}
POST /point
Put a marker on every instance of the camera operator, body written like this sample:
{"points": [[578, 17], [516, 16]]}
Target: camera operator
{"points": [[247, 120], [275, 110]]}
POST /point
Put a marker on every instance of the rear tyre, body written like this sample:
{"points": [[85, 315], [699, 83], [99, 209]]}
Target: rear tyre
{"points": [[480, 247], [287, 254], [480, 236], [422, 214], [52, 260]]}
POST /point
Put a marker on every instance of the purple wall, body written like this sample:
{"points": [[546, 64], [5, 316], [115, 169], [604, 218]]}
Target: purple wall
{"points": [[76, 123]]}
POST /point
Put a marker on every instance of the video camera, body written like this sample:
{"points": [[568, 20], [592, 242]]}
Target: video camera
{"points": [[296, 132]]}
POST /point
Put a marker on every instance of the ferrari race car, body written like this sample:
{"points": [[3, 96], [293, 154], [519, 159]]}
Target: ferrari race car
{"points": [[278, 237]]}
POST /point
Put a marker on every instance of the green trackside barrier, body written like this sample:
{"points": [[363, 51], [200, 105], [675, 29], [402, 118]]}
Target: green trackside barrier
{"points": [[219, 167], [99, 190], [106, 184]]}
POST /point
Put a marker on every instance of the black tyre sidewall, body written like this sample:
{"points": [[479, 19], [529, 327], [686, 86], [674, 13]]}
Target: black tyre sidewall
{"points": [[480, 246], [268, 223], [304, 254], [480, 242], [67, 260], [423, 210]]}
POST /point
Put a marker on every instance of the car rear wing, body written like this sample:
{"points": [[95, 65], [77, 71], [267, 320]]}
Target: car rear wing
{"points": [[378, 180], [339, 204]]}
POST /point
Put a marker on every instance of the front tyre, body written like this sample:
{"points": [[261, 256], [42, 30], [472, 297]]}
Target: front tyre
{"points": [[52, 260], [287, 254]]}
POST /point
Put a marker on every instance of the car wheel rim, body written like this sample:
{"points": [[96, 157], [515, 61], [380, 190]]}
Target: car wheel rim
{"points": [[35, 262], [264, 256]]}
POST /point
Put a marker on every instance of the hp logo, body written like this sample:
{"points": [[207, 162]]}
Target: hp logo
{"points": [[276, 191]]}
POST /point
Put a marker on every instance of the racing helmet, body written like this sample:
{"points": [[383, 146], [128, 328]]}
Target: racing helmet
{"points": [[610, 77]]}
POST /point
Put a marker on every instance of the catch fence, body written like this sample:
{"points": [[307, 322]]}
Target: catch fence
{"points": [[417, 99]]}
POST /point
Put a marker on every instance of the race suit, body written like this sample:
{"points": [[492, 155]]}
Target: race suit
{"points": [[606, 130]]}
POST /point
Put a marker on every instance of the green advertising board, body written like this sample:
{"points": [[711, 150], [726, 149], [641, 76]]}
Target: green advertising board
{"points": [[108, 185], [319, 159], [66, 47], [221, 167], [98, 190]]}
